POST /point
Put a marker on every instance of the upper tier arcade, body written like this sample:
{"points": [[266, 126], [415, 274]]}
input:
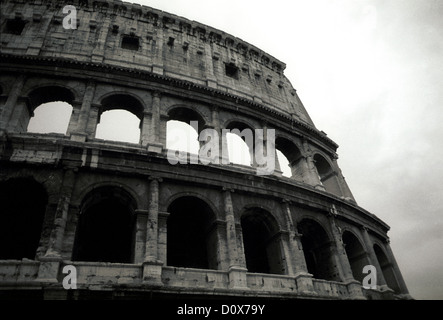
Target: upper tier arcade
{"points": [[128, 35], [131, 222]]}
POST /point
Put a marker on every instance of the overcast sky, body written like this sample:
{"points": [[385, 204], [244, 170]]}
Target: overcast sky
{"points": [[370, 74]]}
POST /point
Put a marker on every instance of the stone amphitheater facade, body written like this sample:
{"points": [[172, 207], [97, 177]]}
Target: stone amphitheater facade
{"points": [[131, 223]]}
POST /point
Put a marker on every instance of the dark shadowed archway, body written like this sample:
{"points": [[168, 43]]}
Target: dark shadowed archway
{"points": [[191, 236], [318, 250], [261, 242], [356, 255], [22, 209], [387, 269], [105, 228]]}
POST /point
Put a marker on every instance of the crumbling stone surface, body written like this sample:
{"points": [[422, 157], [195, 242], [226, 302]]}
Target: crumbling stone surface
{"points": [[125, 217]]}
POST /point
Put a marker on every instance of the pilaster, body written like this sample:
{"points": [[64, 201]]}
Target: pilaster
{"points": [[50, 262], [296, 257], [152, 266], [344, 267], [11, 102], [81, 128]]}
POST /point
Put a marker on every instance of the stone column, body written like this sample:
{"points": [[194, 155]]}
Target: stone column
{"points": [[312, 171], [152, 267], [80, 132], [141, 217], [155, 144], [223, 143], [50, 262], [164, 118], [266, 165], [309, 170], [296, 257], [381, 281], [277, 170], [19, 120], [93, 121], [145, 128], [224, 152], [237, 268], [398, 276], [162, 248], [344, 267], [74, 119], [8, 108]]}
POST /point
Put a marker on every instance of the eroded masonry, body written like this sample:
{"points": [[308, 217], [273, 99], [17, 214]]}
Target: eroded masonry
{"points": [[132, 224]]}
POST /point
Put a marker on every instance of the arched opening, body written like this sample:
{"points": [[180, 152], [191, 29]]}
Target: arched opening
{"points": [[51, 109], [356, 255], [318, 250], [181, 137], [118, 125], [51, 117], [240, 142], [284, 164], [183, 129], [289, 157], [105, 227], [22, 209], [327, 175], [191, 236], [120, 119], [238, 150], [262, 243], [386, 268]]}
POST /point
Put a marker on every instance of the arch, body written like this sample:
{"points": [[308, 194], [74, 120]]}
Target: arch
{"points": [[23, 204], [357, 255], [327, 174], [118, 125], [181, 133], [293, 156], [187, 114], [386, 268], [182, 137], [120, 117], [240, 142], [122, 100], [105, 229], [193, 194], [191, 234], [50, 109], [318, 250], [50, 117], [50, 93], [238, 124], [262, 245], [79, 198]]}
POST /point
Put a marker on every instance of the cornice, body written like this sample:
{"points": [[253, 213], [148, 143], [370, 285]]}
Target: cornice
{"points": [[179, 83]]}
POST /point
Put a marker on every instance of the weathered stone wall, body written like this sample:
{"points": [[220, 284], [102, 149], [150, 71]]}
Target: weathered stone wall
{"points": [[177, 72], [167, 45]]}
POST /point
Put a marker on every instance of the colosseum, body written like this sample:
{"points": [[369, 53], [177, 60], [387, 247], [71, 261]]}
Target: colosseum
{"points": [[124, 220]]}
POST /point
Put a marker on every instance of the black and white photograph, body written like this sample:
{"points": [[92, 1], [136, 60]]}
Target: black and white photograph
{"points": [[221, 159]]}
